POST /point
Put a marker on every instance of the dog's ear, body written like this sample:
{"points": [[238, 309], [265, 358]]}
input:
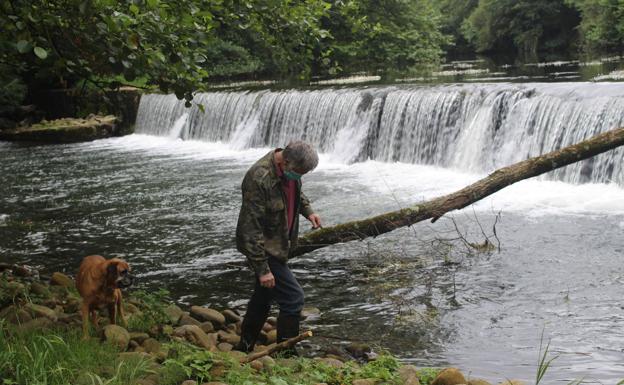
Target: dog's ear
{"points": [[111, 271]]}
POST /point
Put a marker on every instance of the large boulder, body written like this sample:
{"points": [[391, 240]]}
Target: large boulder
{"points": [[41, 311], [60, 279], [117, 336], [207, 314], [409, 375], [174, 313], [449, 376], [196, 336]]}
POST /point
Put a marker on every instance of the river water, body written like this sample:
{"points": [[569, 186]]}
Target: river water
{"points": [[167, 198]]}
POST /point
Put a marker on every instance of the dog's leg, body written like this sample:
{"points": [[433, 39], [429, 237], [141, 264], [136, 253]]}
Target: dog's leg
{"points": [[120, 312], [112, 313], [94, 318], [84, 309]]}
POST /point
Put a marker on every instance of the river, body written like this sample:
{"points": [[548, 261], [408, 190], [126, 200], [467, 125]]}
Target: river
{"points": [[167, 198]]}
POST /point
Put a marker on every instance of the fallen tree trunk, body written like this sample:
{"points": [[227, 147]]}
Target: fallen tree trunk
{"points": [[435, 208]]}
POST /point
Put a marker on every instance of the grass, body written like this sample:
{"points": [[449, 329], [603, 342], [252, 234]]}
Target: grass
{"points": [[51, 357]]}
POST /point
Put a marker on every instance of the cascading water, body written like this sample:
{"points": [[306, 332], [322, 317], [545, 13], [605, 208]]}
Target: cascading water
{"points": [[470, 127]]}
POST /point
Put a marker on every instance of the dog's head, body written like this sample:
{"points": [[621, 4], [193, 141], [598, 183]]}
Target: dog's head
{"points": [[118, 273]]}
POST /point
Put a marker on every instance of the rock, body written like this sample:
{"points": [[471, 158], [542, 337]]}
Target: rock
{"points": [[35, 324], [267, 327], [214, 383], [40, 289], [256, 365], [267, 361], [231, 316], [131, 308], [237, 355], [310, 312], [66, 130], [512, 382], [207, 314], [174, 313], [167, 330], [271, 336], [22, 271], [449, 376], [217, 370], [409, 375], [189, 382], [225, 347], [365, 381], [196, 336], [15, 289], [228, 337], [332, 362], [477, 381], [188, 320], [139, 336], [134, 356], [117, 336], [20, 316], [133, 345], [151, 346], [60, 279], [207, 327], [41, 311], [358, 349], [272, 321]]}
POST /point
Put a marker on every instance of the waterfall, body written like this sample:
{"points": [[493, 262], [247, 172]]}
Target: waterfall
{"points": [[471, 127]]}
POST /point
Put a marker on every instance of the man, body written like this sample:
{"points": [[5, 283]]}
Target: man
{"points": [[267, 231]]}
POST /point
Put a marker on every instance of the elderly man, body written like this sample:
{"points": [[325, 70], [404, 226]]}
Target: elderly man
{"points": [[267, 230]]}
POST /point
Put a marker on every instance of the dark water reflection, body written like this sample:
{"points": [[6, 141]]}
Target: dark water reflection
{"points": [[171, 211]]}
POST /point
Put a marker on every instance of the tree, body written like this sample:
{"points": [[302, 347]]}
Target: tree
{"points": [[437, 207], [175, 45], [524, 26], [380, 35], [602, 25]]}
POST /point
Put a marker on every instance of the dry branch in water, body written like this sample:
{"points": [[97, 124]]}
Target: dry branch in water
{"points": [[437, 207]]}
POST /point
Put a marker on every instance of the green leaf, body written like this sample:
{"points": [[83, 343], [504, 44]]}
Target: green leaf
{"points": [[152, 3], [23, 46], [134, 9], [40, 52], [201, 107]]}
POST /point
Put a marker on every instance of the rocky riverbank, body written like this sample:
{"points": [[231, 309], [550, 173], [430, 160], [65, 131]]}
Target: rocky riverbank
{"points": [[40, 330], [66, 130]]}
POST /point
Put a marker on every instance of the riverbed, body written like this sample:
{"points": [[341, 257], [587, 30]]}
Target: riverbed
{"points": [[170, 207]]}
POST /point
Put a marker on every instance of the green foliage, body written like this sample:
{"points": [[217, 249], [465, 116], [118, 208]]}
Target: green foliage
{"points": [[427, 375], [12, 89], [170, 43], [152, 310], [406, 34], [526, 26], [55, 357], [602, 25]]}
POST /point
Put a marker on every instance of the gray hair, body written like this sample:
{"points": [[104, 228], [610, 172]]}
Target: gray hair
{"points": [[301, 155]]}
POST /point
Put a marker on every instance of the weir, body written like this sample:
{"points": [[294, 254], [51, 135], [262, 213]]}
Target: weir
{"points": [[470, 127]]}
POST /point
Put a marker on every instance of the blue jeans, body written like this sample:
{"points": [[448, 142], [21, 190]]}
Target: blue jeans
{"points": [[287, 292]]}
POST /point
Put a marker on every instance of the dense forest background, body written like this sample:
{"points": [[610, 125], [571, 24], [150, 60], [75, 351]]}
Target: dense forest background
{"points": [[181, 45]]}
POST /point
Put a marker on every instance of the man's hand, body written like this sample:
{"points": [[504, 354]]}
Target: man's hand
{"points": [[316, 220], [267, 280]]}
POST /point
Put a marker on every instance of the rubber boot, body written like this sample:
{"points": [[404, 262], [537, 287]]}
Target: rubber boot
{"points": [[288, 327], [250, 330]]}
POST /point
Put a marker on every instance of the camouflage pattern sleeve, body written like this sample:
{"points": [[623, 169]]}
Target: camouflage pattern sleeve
{"points": [[306, 208], [249, 231]]}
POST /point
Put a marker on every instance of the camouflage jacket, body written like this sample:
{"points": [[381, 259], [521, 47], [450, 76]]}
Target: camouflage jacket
{"points": [[262, 228]]}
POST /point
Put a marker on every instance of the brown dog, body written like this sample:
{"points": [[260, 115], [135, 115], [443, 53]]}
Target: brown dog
{"points": [[99, 282]]}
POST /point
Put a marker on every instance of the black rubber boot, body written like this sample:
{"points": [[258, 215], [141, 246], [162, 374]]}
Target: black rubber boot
{"points": [[287, 327], [250, 330]]}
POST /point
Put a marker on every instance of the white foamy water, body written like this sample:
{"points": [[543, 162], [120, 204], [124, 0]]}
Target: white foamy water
{"points": [[406, 183]]}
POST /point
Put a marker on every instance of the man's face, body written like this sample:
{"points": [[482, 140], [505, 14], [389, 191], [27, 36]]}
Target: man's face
{"points": [[292, 173]]}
